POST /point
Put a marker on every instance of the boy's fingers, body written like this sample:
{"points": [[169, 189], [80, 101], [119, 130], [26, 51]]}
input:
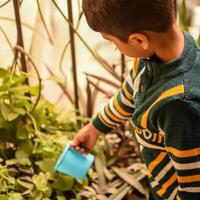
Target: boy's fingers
{"points": [[75, 142], [85, 148]]}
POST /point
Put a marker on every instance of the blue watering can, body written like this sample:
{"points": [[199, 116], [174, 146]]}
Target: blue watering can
{"points": [[74, 163]]}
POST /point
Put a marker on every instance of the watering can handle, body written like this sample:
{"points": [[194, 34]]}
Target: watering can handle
{"points": [[86, 149]]}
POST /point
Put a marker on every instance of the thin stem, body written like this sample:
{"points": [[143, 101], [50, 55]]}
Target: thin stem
{"points": [[96, 56], [73, 56], [19, 33], [37, 133], [62, 58], [44, 23], [65, 49], [4, 3], [25, 25], [61, 86], [123, 67], [7, 39], [19, 48]]}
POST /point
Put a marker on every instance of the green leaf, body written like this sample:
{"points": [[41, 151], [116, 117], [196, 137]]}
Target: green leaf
{"points": [[15, 196], [4, 87], [41, 181], [2, 196], [63, 183], [26, 146], [25, 162], [7, 112], [20, 111], [17, 80], [3, 72], [183, 15], [20, 88], [61, 198], [25, 184], [22, 133], [34, 90], [20, 154], [47, 165], [198, 41], [10, 162], [11, 180], [3, 123], [56, 79]]}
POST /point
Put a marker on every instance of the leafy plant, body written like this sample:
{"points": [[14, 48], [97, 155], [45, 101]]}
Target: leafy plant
{"points": [[31, 141]]}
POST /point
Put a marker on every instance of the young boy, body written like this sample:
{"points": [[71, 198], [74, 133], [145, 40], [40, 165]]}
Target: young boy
{"points": [[161, 95]]}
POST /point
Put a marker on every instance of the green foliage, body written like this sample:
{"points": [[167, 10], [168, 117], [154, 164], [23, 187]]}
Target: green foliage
{"points": [[183, 16], [31, 140]]}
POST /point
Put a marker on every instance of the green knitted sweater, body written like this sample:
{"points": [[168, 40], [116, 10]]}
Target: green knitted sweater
{"points": [[163, 103]]}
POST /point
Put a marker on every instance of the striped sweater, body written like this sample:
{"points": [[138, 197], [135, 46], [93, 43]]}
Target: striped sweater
{"points": [[163, 102]]}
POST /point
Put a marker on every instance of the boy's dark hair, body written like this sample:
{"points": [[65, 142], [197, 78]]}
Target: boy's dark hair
{"points": [[121, 18]]}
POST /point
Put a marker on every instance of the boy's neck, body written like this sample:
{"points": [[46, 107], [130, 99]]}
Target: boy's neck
{"points": [[170, 45]]}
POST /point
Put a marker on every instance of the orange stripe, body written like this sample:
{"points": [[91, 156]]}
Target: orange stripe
{"points": [[183, 153], [135, 66], [167, 185], [119, 109], [168, 93], [127, 93], [104, 122], [112, 116], [189, 179], [155, 162], [178, 198]]}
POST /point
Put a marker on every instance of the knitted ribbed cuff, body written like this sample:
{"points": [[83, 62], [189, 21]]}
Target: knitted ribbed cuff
{"points": [[99, 125]]}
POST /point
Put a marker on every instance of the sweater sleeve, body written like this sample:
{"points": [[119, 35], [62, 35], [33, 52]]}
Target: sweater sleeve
{"points": [[119, 108], [180, 121]]}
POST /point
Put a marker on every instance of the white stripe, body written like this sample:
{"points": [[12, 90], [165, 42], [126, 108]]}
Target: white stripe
{"points": [[115, 112], [129, 80], [126, 101], [141, 148], [161, 174], [186, 166], [145, 144], [107, 119], [173, 195], [154, 183], [137, 81], [190, 189]]}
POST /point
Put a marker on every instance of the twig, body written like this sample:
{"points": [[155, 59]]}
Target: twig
{"points": [[97, 57], [103, 80], [44, 23], [7, 39], [19, 34], [21, 2], [19, 48], [62, 58], [65, 49], [25, 25], [4, 3], [37, 132], [61, 86], [123, 67], [73, 56]]}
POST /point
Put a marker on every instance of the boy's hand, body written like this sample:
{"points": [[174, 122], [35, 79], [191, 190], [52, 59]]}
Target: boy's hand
{"points": [[86, 137]]}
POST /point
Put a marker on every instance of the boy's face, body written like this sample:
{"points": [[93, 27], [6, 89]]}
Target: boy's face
{"points": [[137, 46]]}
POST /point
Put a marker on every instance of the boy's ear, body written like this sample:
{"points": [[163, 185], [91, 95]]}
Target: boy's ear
{"points": [[139, 39]]}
